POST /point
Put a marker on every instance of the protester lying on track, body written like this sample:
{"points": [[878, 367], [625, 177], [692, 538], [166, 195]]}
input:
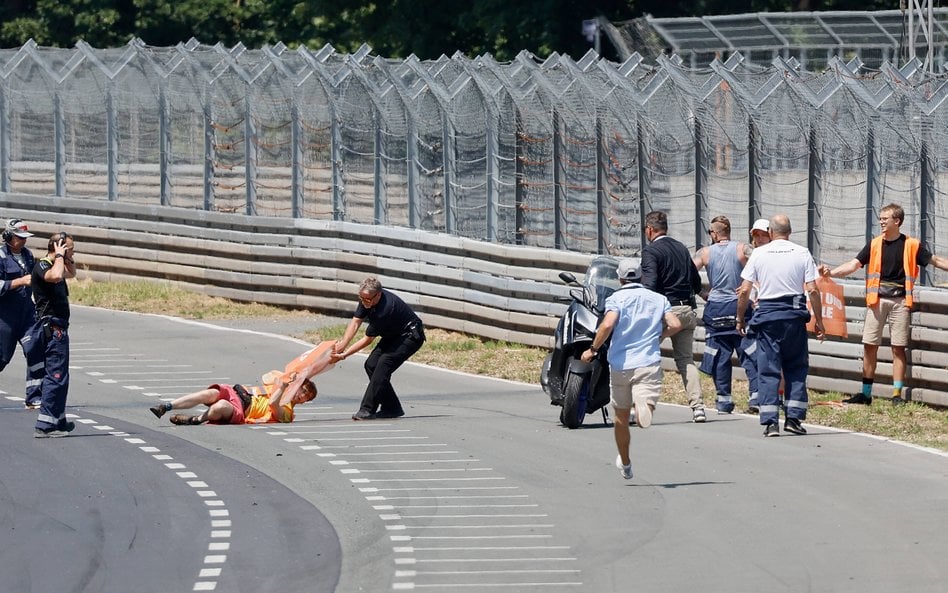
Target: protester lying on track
{"points": [[235, 404]]}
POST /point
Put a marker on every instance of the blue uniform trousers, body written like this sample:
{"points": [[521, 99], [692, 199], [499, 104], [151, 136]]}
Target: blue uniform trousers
{"points": [[782, 347], [53, 343], [16, 324], [747, 355], [718, 348], [721, 341]]}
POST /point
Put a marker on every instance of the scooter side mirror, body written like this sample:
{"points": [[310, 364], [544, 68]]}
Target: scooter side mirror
{"points": [[567, 278]]}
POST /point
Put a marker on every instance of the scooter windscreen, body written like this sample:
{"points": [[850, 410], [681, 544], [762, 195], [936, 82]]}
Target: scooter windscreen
{"points": [[601, 280]]}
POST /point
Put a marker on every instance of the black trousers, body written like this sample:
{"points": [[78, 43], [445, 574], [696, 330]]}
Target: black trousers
{"points": [[379, 366]]}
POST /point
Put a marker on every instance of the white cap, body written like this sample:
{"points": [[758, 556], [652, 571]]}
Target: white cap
{"points": [[17, 227], [630, 269], [761, 224]]}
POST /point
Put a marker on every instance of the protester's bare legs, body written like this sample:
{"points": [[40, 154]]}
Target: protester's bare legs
{"points": [[205, 396], [218, 410], [620, 426]]}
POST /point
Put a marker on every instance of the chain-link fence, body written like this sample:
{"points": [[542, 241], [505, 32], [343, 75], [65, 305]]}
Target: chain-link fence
{"points": [[553, 153]]}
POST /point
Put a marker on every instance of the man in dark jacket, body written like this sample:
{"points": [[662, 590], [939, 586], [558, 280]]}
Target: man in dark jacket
{"points": [[667, 268]]}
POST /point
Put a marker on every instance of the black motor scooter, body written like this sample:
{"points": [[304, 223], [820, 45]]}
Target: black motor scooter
{"points": [[581, 388]]}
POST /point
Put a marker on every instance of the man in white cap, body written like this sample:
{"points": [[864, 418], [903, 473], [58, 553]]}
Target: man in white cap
{"points": [[760, 236], [784, 274], [16, 298], [636, 319], [760, 232]]}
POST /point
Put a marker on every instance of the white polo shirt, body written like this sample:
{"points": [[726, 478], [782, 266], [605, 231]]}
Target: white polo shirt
{"points": [[780, 268]]}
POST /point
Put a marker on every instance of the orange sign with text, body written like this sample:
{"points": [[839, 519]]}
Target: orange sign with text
{"points": [[834, 308]]}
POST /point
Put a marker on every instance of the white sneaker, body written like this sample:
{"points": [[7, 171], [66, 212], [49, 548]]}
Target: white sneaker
{"points": [[698, 415], [643, 414], [625, 470]]}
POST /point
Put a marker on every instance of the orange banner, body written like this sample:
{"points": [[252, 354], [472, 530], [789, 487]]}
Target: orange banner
{"points": [[834, 308]]}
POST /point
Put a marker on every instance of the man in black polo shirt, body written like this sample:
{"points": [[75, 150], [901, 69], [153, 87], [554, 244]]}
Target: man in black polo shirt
{"points": [[402, 334], [667, 268]]}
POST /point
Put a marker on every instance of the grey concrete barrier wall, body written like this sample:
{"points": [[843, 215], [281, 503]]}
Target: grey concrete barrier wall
{"points": [[500, 292]]}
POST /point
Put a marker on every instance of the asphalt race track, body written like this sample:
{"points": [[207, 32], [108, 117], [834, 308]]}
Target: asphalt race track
{"points": [[477, 488]]}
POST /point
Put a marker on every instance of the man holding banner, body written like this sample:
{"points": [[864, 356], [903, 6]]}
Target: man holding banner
{"points": [[893, 261]]}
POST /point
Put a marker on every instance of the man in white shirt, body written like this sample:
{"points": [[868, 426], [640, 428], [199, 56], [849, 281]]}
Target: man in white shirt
{"points": [[637, 319], [782, 271]]}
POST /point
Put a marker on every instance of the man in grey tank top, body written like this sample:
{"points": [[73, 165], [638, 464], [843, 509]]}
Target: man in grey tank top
{"points": [[723, 260]]}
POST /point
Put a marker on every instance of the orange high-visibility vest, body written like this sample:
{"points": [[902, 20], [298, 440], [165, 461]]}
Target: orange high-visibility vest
{"points": [[874, 270]]}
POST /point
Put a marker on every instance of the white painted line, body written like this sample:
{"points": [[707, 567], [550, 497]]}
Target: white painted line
{"points": [[486, 548], [513, 516], [467, 506], [475, 560], [401, 453], [402, 480], [522, 526], [415, 471], [479, 537]]}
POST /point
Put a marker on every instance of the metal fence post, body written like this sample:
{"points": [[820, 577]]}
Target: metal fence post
{"points": [[379, 186], [411, 155], [558, 197], [492, 154], [335, 149], [602, 197], [4, 144], [753, 173], [872, 184], [701, 184], [448, 157], [296, 165], [208, 158], [164, 149], [519, 181], [250, 157], [645, 201], [814, 196], [926, 227], [111, 143], [59, 134]]}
